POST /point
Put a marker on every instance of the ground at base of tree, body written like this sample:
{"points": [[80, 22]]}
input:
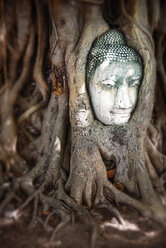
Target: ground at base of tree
{"points": [[137, 232]]}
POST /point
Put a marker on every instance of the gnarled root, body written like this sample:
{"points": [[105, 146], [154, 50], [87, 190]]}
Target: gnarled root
{"points": [[155, 211], [87, 173]]}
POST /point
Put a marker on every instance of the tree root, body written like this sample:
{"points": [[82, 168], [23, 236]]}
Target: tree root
{"points": [[157, 159], [144, 208], [8, 125], [42, 44], [9, 197], [81, 211], [163, 182], [138, 24], [112, 210], [65, 219], [30, 111], [153, 175], [46, 226], [34, 215], [23, 10]]}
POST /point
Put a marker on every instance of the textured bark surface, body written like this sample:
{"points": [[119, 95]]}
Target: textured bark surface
{"points": [[52, 148]]}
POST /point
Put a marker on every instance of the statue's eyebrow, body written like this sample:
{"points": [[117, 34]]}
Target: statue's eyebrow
{"points": [[136, 77], [108, 78]]}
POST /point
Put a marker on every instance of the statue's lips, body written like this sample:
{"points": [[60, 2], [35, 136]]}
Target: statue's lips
{"points": [[121, 114]]}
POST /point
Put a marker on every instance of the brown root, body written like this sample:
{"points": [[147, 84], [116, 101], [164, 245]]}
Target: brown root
{"points": [[42, 33], [10, 195]]}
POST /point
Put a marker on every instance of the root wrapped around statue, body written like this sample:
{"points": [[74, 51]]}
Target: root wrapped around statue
{"points": [[79, 124]]}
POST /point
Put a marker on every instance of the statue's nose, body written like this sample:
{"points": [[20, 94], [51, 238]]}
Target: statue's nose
{"points": [[122, 98]]}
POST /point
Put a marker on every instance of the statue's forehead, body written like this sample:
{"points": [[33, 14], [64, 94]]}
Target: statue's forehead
{"points": [[117, 71], [115, 66]]}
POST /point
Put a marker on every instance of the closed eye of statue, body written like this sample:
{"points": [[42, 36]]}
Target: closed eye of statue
{"points": [[109, 82], [134, 82]]}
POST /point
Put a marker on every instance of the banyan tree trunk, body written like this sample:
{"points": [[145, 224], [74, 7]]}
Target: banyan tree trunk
{"points": [[51, 144]]}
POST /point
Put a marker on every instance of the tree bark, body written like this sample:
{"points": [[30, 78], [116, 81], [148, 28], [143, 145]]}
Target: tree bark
{"points": [[52, 131]]}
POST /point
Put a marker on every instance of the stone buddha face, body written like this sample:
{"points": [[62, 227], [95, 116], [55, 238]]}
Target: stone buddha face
{"points": [[114, 89], [114, 73]]}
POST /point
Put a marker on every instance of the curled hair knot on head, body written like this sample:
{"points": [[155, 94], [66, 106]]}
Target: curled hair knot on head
{"points": [[110, 46]]}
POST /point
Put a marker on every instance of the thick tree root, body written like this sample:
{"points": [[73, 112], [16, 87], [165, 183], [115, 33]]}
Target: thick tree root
{"points": [[144, 208]]}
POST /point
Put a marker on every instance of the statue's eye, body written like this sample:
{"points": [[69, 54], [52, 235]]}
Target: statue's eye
{"points": [[109, 82], [134, 82]]}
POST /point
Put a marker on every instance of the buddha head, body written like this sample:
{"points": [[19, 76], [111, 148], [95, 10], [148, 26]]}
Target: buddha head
{"points": [[114, 73]]}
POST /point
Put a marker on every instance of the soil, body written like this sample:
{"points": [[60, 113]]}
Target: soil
{"points": [[136, 232]]}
